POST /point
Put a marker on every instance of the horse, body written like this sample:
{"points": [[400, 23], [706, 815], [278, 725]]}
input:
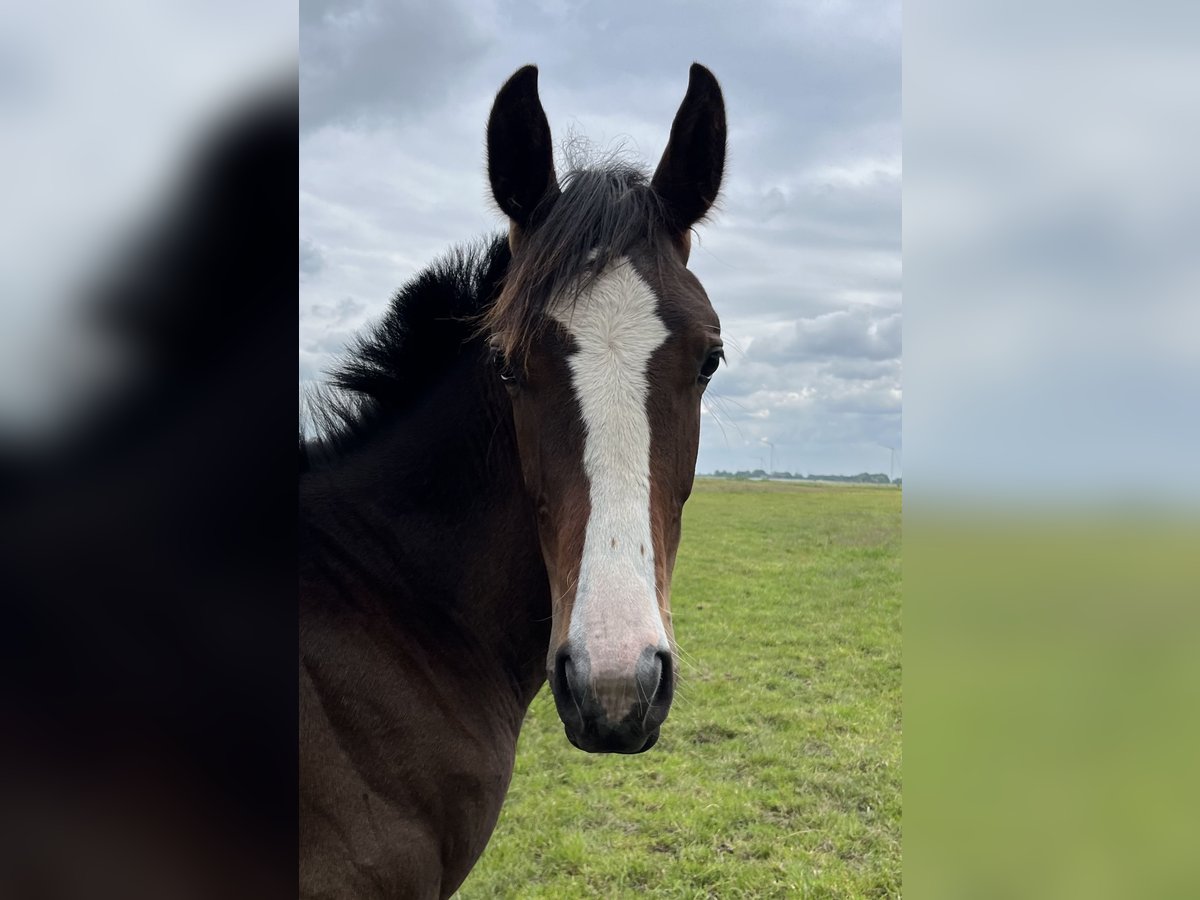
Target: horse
{"points": [[495, 502]]}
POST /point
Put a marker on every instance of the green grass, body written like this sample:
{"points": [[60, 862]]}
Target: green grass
{"points": [[1052, 681], [778, 771]]}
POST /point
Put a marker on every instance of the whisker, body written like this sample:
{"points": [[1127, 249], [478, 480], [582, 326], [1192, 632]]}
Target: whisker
{"points": [[712, 412], [726, 399], [732, 342], [719, 402]]}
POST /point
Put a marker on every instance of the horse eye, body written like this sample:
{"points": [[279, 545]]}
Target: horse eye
{"points": [[710, 366], [503, 369]]}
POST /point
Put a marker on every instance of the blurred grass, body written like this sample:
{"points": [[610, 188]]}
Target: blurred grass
{"points": [[1052, 683], [778, 771]]}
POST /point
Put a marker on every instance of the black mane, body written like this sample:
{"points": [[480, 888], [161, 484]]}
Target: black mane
{"points": [[427, 325]]}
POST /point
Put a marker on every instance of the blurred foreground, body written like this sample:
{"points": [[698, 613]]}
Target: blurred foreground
{"points": [[147, 702], [1051, 684], [1052, 438]]}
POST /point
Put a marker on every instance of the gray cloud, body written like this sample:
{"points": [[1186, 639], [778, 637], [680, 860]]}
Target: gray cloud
{"points": [[311, 259], [859, 333], [362, 63], [344, 311]]}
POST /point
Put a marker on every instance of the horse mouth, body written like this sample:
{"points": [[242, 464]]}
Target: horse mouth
{"points": [[616, 741], [589, 721]]}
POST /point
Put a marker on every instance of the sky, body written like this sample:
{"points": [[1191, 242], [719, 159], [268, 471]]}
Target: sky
{"points": [[101, 108], [802, 259]]}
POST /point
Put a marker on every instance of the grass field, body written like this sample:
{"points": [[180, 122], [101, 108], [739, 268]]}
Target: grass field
{"points": [[778, 771], [1051, 684]]}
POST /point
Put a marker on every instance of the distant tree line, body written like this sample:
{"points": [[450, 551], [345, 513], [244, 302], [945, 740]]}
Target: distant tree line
{"points": [[861, 478]]}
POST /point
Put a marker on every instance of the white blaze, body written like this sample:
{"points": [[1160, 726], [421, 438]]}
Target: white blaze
{"points": [[616, 329]]}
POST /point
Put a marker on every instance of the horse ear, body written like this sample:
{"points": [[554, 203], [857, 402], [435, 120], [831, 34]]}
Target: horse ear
{"points": [[520, 152], [688, 176]]}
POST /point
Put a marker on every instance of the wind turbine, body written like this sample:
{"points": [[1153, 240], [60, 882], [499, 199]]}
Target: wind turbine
{"points": [[891, 462], [772, 446]]}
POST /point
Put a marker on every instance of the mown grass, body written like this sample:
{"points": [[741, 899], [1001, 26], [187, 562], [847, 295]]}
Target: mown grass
{"points": [[778, 771]]}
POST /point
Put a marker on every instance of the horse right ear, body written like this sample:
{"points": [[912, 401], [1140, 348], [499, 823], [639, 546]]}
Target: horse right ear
{"points": [[688, 176], [520, 152]]}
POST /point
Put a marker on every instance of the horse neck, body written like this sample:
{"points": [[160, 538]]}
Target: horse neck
{"points": [[441, 536]]}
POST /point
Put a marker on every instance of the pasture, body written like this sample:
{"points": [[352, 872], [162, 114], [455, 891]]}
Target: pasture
{"points": [[778, 772]]}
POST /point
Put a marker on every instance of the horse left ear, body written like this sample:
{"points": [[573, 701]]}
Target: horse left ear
{"points": [[688, 176], [520, 151]]}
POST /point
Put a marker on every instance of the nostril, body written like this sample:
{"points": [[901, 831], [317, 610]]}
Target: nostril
{"points": [[567, 681], [653, 677], [666, 679], [562, 662], [569, 677]]}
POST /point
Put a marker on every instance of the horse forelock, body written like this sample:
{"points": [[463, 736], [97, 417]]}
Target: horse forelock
{"points": [[602, 214]]}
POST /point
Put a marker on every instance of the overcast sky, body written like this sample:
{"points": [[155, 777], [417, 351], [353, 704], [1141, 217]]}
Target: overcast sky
{"points": [[802, 260], [102, 107]]}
